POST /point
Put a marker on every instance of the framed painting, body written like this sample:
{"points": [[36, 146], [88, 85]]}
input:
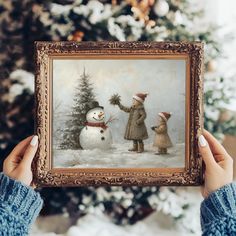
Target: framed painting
{"points": [[118, 113]]}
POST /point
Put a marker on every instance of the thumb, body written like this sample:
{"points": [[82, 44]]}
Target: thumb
{"points": [[30, 152], [205, 151]]}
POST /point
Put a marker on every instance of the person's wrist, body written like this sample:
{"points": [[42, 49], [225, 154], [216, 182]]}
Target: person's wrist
{"points": [[20, 199], [220, 186], [216, 203], [215, 183]]}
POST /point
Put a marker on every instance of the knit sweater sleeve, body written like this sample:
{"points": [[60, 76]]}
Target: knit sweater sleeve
{"points": [[218, 212], [19, 206]]}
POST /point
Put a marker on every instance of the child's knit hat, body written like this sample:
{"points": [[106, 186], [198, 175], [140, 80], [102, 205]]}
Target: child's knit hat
{"points": [[140, 97], [165, 115]]}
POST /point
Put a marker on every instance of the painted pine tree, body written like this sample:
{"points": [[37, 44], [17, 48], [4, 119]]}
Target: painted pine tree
{"points": [[83, 96]]}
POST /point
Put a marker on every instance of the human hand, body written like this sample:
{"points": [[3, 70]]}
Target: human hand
{"points": [[18, 163], [219, 164]]}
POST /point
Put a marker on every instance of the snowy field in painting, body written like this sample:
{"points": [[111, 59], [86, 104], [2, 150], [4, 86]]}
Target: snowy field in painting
{"points": [[119, 157]]}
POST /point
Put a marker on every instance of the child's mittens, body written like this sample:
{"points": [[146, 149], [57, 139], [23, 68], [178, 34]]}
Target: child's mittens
{"points": [[161, 129], [153, 128]]}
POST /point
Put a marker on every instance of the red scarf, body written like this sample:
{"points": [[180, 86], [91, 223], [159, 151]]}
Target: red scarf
{"points": [[101, 124]]}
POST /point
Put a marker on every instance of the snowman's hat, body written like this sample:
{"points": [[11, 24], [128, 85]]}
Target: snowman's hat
{"points": [[92, 105]]}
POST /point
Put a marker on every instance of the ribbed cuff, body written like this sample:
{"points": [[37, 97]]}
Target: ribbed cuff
{"points": [[220, 203], [19, 199]]}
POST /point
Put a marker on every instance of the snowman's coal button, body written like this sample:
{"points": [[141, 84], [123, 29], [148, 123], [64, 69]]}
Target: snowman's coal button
{"points": [[101, 131], [102, 138]]}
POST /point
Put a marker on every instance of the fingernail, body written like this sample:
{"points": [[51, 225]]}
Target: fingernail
{"points": [[202, 141], [34, 141]]}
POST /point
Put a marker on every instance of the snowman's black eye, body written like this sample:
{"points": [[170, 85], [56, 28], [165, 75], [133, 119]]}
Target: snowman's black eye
{"points": [[94, 113]]}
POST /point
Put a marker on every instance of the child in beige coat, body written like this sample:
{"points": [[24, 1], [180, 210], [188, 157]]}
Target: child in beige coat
{"points": [[162, 140]]}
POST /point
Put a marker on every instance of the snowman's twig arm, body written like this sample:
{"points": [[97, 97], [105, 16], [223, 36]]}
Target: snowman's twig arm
{"points": [[123, 108], [111, 119]]}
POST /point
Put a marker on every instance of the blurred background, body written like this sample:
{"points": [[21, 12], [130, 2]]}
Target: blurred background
{"points": [[116, 211]]}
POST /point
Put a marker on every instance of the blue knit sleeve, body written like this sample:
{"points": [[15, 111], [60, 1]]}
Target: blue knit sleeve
{"points": [[19, 206], [218, 212]]}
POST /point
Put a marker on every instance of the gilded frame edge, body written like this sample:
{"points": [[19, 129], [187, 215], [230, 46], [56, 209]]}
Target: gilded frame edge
{"points": [[45, 176]]}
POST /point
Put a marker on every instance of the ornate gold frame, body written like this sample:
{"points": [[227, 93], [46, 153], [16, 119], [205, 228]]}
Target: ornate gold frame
{"points": [[45, 175]]}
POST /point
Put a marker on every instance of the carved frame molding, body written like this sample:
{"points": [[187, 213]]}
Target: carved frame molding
{"points": [[45, 175]]}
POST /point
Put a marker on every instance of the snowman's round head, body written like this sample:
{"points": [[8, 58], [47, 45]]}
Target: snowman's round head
{"points": [[96, 115]]}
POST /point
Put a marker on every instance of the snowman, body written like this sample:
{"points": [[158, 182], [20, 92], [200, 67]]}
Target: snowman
{"points": [[96, 133]]}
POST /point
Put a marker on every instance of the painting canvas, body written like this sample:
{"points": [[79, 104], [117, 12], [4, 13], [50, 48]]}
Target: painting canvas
{"points": [[96, 136]]}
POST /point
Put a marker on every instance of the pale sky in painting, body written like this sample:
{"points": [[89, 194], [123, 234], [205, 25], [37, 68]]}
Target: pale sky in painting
{"points": [[164, 80]]}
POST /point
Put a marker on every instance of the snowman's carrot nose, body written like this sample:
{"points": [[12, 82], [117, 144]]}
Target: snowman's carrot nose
{"points": [[100, 114]]}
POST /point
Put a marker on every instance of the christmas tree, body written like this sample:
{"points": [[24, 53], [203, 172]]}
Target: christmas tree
{"points": [[83, 96], [23, 22]]}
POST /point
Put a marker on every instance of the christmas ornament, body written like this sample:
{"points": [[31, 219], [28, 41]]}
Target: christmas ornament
{"points": [[77, 36], [96, 134], [141, 8], [162, 140], [225, 116], [151, 23], [135, 128], [211, 66], [161, 8], [178, 19]]}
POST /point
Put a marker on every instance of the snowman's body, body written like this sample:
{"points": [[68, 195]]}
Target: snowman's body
{"points": [[95, 134]]}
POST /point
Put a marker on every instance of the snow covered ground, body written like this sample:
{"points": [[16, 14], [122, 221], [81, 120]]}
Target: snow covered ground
{"points": [[119, 157]]}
